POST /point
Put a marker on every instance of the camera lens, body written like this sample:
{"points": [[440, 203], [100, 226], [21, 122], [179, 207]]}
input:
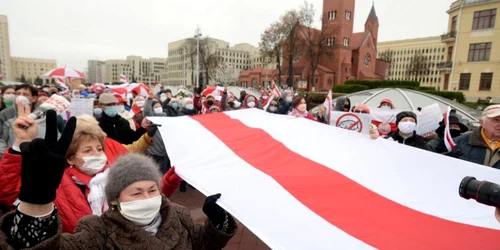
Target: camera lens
{"points": [[484, 192]]}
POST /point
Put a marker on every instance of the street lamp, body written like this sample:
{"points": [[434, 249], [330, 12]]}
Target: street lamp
{"points": [[197, 35], [267, 60]]}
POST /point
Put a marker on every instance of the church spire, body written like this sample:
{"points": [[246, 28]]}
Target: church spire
{"points": [[373, 15]]}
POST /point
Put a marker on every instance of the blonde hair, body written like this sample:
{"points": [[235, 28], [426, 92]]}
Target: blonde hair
{"points": [[87, 128]]}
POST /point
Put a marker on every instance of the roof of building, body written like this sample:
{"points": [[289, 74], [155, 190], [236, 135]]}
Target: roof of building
{"points": [[357, 39], [373, 15]]}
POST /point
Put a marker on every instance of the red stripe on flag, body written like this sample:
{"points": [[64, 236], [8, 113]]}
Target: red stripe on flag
{"points": [[358, 211]]}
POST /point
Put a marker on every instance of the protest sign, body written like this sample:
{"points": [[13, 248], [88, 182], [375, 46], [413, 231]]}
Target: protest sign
{"points": [[55, 102], [351, 121], [82, 106], [428, 119]]}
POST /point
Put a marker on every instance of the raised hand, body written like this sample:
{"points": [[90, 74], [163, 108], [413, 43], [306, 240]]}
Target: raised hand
{"points": [[25, 128], [43, 162]]}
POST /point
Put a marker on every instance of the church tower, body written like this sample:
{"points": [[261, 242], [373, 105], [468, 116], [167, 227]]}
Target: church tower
{"points": [[372, 24], [340, 13]]}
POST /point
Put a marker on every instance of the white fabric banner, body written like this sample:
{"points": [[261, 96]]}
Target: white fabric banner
{"points": [[299, 184]]}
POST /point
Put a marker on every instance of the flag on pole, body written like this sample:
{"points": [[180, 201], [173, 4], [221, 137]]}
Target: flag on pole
{"points": [[333, 196], [268, 101], [448, 140], [328, 105], [275, 89], [123, 78]]}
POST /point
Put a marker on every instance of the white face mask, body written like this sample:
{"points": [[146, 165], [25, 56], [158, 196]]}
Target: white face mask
{"points": [[9, 97], [141, 212], [163, 98], [385, 107], [23, 99], [251, 104], [140, 103], [93, 164], [407, 127], [264, 97], [158, 110], [272, 109]]}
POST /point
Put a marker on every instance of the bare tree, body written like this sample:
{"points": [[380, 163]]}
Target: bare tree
{"points": [[270, 45], [190, 47], [290, 24], [225, 74], [316, 42], [418, 65], [387, 56], [209, 60]]}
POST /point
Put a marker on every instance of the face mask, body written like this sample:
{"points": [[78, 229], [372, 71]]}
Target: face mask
{"points": [[175, 105], [454, 133], [190, 106], [98, 111], [385, 107], [407, 127], [140, 103], [141, 212], [158, 110], [264, 97], [251, 104], [9, 98], [237, 104], [23, 99], [302, 107], [273, 108], [111, 111], [163, 98], [210, 102], [231, 104], [346, 106], [288, 99], [45, 89], [93, 164]]}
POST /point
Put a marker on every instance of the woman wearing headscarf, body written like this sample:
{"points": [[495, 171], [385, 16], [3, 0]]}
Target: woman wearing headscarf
{"points": [[188, 107], [274, 106], [299, 108], [88, 156], [342, 104], [209, 102], [140, 216], [263, 98]]}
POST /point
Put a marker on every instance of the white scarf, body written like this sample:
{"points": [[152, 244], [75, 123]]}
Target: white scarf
{"points": [[97, 197]]}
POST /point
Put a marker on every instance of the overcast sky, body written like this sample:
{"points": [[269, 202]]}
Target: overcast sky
{"points": [[73, 32]]}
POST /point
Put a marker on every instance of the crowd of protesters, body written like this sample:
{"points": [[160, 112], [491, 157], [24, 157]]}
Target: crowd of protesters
{"points": [[103, 180]]}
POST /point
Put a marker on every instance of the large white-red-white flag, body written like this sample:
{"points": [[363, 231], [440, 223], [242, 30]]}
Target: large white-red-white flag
{"points": [[123, 78], [295, 190]]}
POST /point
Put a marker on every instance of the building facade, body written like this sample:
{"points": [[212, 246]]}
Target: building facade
{"points": [[182, 58], [31, 69], [354, 54], [5, 60], [137, 69], [96, 71], [414, 59], [472, 43]]}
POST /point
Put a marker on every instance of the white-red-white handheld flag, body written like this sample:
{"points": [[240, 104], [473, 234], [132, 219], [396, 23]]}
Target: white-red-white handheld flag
{"points": [[448, 140]]}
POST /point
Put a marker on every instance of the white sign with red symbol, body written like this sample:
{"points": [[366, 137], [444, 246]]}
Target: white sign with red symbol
{"points": [[351, 121]]}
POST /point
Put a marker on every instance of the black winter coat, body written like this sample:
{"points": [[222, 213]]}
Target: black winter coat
{"points": [[118, 129], [416, 141]]}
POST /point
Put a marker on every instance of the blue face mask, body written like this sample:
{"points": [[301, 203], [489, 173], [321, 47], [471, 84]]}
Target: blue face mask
{"points": [[111, 111], [97, 111], [175, 105], [190, 106]]}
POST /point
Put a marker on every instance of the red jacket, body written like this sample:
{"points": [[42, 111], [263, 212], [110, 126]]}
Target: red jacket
{"points": [[70, 200]]}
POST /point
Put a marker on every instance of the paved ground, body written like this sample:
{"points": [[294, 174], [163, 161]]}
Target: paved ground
{"points": [[193, 200]]}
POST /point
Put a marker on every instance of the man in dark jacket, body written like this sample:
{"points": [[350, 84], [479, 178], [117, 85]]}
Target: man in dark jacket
{"points": [[481, 146], [406, 134], [116, 127], [457, 128]]}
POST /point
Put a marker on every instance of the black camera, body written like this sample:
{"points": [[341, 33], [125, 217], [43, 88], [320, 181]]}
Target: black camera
{"points": [[484, 192]]}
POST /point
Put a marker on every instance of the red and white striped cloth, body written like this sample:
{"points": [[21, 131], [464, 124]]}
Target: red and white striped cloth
{"points": [[359, 193], [328, 105], [216, 91], [275, 89], [123, 78], [448, 140], [141, 89]]}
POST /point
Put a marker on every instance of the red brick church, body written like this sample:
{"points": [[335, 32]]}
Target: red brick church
{"points": [[354, 54]]}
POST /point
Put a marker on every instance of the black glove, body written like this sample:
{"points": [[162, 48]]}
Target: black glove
{"points": [[222, 220], [152, 130], [43, 162]]}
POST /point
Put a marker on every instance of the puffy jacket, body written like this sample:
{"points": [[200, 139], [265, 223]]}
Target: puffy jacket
{"points": [[472, 148], [70, 199]]}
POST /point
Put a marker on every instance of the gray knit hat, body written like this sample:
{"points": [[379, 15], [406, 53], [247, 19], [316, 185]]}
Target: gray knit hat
{"points": [[128, 169]]}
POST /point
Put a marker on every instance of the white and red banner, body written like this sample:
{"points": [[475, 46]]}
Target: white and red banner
{"points": [[123, 78], [448, 139], [296, 190], [328, 105]]}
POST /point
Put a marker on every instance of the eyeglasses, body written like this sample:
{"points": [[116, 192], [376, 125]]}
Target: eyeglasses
{"points": [[361, 112]]}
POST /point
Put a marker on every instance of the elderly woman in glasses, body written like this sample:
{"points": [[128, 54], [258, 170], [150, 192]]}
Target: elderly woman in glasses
{"points": [[363, 109]]}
